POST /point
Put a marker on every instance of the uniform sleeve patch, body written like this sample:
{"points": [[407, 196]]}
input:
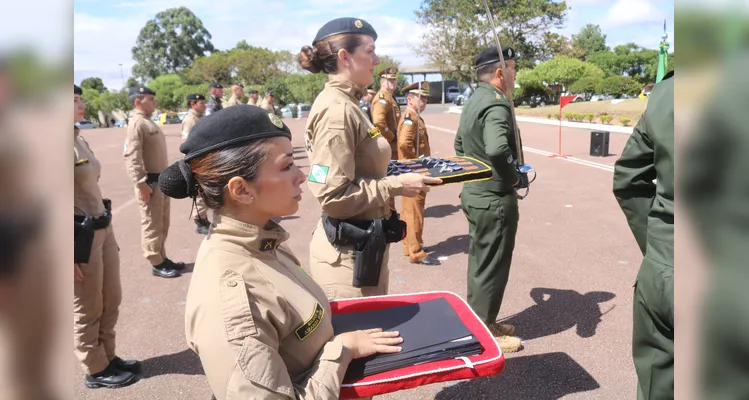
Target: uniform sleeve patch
{"points": [[374, 132], [408, 122], [318, 173], [311, 324], [383, 101], [124, 150]]}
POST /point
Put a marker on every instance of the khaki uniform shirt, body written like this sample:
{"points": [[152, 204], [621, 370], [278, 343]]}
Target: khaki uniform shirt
{"points": [[348, 156], [407, 128], [252, 102], [385, 115], [264, 104], [233, 101], [145, 148], [261, 326], [87, 198], [190, 120]]}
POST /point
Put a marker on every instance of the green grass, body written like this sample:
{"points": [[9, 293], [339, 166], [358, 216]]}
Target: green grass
{"points": [[632, 109]]}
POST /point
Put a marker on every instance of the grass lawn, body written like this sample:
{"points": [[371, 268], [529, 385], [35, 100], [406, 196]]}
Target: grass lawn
{"points": [[632, 109]]}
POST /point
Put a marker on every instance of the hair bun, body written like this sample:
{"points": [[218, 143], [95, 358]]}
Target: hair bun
{"points": [[308, 59], [173, 181]]}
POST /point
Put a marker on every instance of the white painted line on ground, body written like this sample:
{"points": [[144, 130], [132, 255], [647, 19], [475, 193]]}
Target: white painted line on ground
{"points": [[586, 163], [568, 124], [123, 206]]}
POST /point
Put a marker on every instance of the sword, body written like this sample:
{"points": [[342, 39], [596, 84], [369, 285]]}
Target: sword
{"points": [[522, 167], [418, 121]]}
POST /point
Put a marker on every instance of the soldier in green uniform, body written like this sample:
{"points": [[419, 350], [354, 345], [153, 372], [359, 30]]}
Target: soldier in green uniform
{"points": [[644, 188], [487, 133]]}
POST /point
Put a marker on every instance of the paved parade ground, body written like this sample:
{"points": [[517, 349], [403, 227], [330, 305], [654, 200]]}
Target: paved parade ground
{"points": [[569, 294]]}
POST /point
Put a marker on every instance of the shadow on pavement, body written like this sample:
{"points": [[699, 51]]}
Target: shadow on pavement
{"points": [[185, 362], [441, 211], [542, 376], [453, 245], [562, 310]]}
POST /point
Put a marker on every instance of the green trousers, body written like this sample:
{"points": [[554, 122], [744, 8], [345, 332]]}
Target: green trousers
{"points": [[653, 331], [492, 226]]}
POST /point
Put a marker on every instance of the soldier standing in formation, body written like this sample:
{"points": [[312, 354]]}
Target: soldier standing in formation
{"points": [[366, 102], [97, 290], [487, 133], [252, 97], [268, 102], [214, 101], [237, 92], [196, 104], [412, 209], [348, 157], [649, 208], [145, 157], [385, 110]]}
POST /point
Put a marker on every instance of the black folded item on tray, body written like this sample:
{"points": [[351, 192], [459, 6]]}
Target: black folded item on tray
{"points": [[453, 169], [431, 331]]}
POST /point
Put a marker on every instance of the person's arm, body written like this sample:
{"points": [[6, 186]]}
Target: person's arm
{"points": [[498, 135], [332, 177], [634, 189], [380, 108], [407, 138], [458, 144], [133, 152]]}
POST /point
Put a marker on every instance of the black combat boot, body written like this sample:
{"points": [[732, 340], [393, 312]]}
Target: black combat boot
{"points": [[132, 366], [165, 270], [111, 378]]}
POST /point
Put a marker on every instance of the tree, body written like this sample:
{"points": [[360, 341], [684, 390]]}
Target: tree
{"points": [[305, 87], [169, 43], [607, 61], [457, 30], [554, 44], [619, 85], [590, 40], [587, 85], [90, 97], [558, 73], [217, 67], [132, 82], [242, 45], [168, 94], [280, 92], [387, 62], [93, 83]]}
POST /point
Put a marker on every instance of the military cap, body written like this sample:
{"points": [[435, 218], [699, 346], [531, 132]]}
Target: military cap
{"points": [[414, 88], [371, 90], [77, 90], [238, 84], [215, 85], [232, 127], [268, 93], [389, 73], [140, 90], [195, 97], [490, 56], [345, 25], [252, 91]]}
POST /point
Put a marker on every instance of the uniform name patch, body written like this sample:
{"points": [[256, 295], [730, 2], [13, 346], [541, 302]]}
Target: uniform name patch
{"points": [[374, 132], [318, 173], [80, 162], [311, 324], [267, 244]]}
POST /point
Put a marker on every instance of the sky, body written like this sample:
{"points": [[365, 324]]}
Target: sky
{"points": [[106, 30]]}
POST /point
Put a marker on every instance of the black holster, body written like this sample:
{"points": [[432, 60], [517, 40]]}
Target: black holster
{"points": [[369, 239], [83, 239]]}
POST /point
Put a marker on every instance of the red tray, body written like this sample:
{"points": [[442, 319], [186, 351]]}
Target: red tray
{"points": [[490, 362]]}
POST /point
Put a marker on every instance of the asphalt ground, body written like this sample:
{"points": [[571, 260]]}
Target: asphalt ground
{"points": [[569, 294]]}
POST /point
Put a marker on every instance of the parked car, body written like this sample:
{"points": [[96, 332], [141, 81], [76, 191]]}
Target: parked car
{"points": [[400, 98], [120, 124], [87, 125], [182, 115], [533, 100], [296, 111], [462, 98], [452, 93], [169, 118]]}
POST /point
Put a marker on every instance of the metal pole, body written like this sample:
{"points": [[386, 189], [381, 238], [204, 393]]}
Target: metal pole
{"points": [[122, 74], [508, 91], [418, 121]]}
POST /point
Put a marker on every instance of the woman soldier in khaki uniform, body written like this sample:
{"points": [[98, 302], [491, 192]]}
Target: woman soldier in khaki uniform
{"points": [[261, 327], [349, 158], [96, 271]]}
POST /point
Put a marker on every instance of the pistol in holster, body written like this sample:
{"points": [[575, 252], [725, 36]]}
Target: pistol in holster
{"points": [[83, 239], [369, 239]]}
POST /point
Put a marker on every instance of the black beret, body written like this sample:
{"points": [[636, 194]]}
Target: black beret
{"points": [[77, 90], [215, 85], [195, 97], [345, 25], [238, 84], [139, 90], [490, 56], [232, 127]]}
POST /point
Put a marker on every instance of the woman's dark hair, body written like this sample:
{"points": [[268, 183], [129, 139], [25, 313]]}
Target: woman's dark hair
{"points": [[323, 57], [213, 171], [207, 175]]}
